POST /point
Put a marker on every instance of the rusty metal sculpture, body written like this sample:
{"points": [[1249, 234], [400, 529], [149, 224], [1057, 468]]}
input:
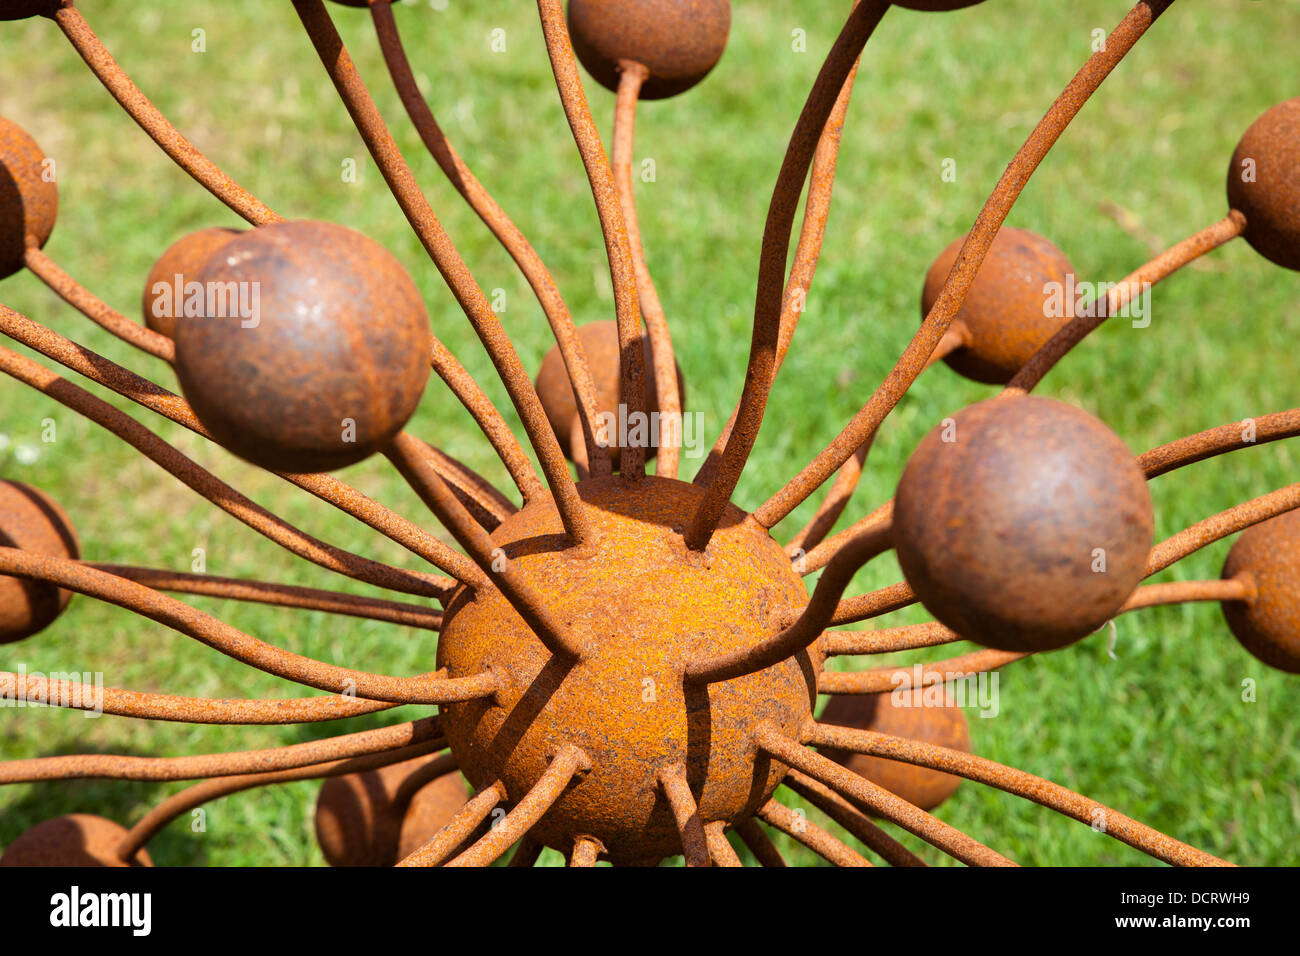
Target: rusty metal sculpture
{"points": [[585, 717]]}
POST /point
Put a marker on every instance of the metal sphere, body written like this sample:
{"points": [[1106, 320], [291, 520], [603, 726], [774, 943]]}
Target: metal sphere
{"points": [[1269, 625], [28, 201], [600, 344], [177, 266], [30, 520], [22, 9], [1006, 316], [943, 725], [1022, 523], [936, 5], [77, 839], [359, 824], [1264, 183], [329, 368], [647, 607], [678, 41]]}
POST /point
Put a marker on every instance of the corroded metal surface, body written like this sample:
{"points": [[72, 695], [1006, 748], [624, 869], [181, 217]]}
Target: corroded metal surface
{"points": [[1267, 558], [179, 265], [29, 200], [1263, 186], [31, 521], [78, 839]]}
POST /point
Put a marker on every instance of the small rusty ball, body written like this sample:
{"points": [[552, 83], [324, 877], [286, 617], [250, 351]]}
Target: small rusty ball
{"points": [[28, 199], [936, 5], [1268, 554], [165, 290], [30, 520], [645, 608], [600, 344], [22, 9], [1264, 183], [913, 716], [77, 839], [325, 356], [1022, 523], [358, 822], [677, 41], [1008, 315]]}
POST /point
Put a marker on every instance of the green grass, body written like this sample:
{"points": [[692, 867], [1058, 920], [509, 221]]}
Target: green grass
{"points": [[1161, 733]]}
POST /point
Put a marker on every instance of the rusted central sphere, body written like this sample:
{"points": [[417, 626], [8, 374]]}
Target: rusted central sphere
{"points": [[29, 198], [645, 606]]}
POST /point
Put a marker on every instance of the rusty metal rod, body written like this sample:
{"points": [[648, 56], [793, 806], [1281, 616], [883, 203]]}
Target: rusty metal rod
{"points": [[495, 218], [851, 819], [1017, 782], [885, 679], [721, 851], [878, 800], [585, 851], [220, 636], [969, 259], [184, 153], [664, 370], [1234, 519], [567, 763], [401, 183], [695, 843], [759, 843], [1218, 441], [458, 829], [123, 767], [810, 835], [761, 370], [487, 504], [865, 606], [526, 853], [618, 249]]}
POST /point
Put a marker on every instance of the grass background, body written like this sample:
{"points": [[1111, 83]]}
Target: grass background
{"points": [[1161, 733]]}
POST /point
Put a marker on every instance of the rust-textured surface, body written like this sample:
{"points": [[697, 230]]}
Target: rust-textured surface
{"points": [[32, 521], [29, 199], [909, 716], [1263, 185], [1267, 556], [1023, 524], [677, 41], [329, 368], [178, 266], [1007, 316], [77, 839]]}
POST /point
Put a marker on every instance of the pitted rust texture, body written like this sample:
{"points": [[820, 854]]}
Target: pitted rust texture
{"points": [[1263, 183], [342, 336], [179, 265], [1002, 530], [77, 839], [31, 520], [1006, 317], [1267, 556], [677, 41], [29, 199]]}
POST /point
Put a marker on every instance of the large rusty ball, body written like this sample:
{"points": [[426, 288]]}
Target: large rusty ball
{"points": [[77, 839], [909, 714], [1022, 523], [323, 358], [1264, 183], [645, 607], [30, 520], [1009, 314], [360, 823], [1268, 555], [936, 5], [677, 41], [600, 344], [29, 198], [172, 284], [22, 9]]}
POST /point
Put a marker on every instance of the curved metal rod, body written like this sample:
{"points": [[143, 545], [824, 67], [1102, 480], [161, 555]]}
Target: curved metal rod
{"points": [[1159, 268], [761, 371], [1234, 519], [585, 852], [877, 799], [182, 152], [810, 835], [969, 259], [401, 183], [529, 603], [1218, 441], [80, 298], [459, 828], [217, 491], [721, 851], [122, 767], [759, 843], [695, 843], [568, 762], [495, 218], [807, 628], [526, 853], [276, 595], [631, 78], [152, 823], [171, 406], [882, 680], [488, 505], [618, 250], [1053, 796], [220, 636], [866, 606], [851, 819]]}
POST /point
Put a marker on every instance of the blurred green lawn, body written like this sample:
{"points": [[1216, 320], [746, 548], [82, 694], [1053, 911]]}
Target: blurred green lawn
{"points": [[1161, 733]]}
